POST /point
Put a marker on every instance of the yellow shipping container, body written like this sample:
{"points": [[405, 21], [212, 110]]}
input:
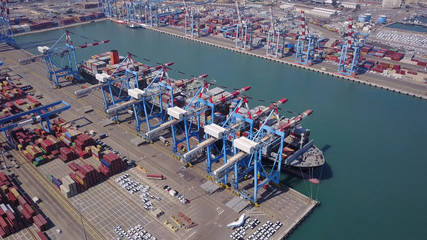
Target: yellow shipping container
{"points": [[80, 180], [4, 188], [14, 192]]}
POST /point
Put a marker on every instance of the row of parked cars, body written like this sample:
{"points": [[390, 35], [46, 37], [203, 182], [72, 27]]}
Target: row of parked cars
{"points": [[175, 193], [266, 231], [135, 233], [240, 232]]}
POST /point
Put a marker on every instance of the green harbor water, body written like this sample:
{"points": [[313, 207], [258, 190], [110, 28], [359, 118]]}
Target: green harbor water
{"points": [[409, 27], [373, 184]]}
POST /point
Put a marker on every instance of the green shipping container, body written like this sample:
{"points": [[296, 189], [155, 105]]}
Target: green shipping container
{"points": [[35, 163], [73, 144], [49, 177]]}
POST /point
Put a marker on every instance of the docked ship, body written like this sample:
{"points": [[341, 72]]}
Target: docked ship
{"points": [[298, 151], [115, 20], [133, 25]]}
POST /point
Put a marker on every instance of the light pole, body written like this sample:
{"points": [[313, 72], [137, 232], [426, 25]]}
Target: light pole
{"points": [[81, 220]]}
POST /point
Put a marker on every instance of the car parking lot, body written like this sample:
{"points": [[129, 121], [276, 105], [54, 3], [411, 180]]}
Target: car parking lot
{"points": [[266, 231], [135, 233]]}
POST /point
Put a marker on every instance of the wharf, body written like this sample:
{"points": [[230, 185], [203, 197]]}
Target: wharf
{"points": [[410, 88], [107, 205]]}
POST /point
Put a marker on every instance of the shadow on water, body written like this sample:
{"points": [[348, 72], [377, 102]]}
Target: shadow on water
{"points": [[35, 44]]}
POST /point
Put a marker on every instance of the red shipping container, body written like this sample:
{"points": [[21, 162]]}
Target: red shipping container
{"points": [[41, 235], [2, 212], [73, 166], [10, 216], [21, 201], [29, 209], [2, 176], [27, 216], [2, 233], [4, 225], [12, 198]]}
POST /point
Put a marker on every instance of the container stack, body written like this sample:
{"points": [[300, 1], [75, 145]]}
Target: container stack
{"points": [[34, 103], [83, 141], [68, 187], [41, 235], [40, 222], [14, 208], [23, 137], [111, 164], [95, 151], [56, 182], [86, 175], [66, 154]]}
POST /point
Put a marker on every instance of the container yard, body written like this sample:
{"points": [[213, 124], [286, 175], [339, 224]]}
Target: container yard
{"points": [[198, 160], [257, 31], [162, 197]]}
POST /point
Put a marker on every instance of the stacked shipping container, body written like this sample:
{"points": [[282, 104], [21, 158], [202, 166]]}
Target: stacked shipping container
{"points": [[15, 208], [111, 164]]}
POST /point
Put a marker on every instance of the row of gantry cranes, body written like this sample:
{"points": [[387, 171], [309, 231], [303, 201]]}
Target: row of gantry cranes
{"points": [[152, 13], [234, 144], [199, 121]]}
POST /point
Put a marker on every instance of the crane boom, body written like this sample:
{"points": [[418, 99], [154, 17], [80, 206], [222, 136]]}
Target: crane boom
{"points": [[58, 52], [100, 85], [240, 155], [228, 96], [176, 84], [188, 155]]}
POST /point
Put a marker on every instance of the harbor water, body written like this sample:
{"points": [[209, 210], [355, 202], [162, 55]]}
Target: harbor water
{"points": [[409, 27], [373, 184]]}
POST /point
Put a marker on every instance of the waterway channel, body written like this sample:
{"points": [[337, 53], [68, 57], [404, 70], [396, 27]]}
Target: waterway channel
{"points": [[373, 184]]}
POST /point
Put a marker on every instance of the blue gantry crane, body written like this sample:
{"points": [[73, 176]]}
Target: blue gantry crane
{"points": [[235, 124], [243, 32], [148, 103], [275, 39], [306, 44], [116, 85], [355, 42], [43, 114], [249, 153], [191, 116], [60, 58], [191, 21], [6, 33]]}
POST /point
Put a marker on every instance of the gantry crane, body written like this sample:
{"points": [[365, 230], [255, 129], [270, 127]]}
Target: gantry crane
{"points": [[236, 123], [185, 115], [355, 42], [108, 7], [191, 20], [42, 113], [201, 104], [306, 44], [6, 32], [243, 32], [60, 58], [249, 153], [151, 102], [275, 39], [115, 86]]}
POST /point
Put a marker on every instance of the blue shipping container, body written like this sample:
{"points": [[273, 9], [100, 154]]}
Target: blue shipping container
{"points": [[104, 162], [68, 135]]}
